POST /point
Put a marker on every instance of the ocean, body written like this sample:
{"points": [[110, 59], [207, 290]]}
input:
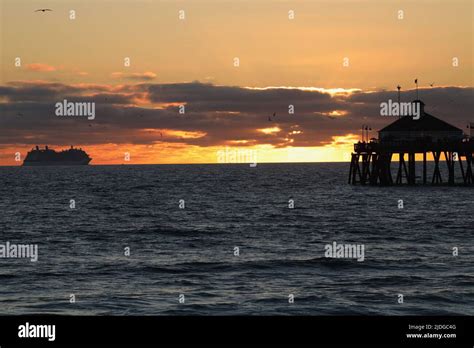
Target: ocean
{"points": [[223, 240]]}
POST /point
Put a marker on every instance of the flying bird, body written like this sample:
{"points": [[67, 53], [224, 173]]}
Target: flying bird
{"points": [[43, 10]]}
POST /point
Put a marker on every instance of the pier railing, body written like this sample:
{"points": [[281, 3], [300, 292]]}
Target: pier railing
{"points": [[418, 146]]}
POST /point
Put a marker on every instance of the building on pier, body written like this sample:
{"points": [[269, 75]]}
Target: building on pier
{"points": [[371, 162], [427, 127]]}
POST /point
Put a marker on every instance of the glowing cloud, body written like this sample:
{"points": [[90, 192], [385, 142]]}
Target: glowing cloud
{"points": [[148, 75], [269, 130], [40, 67]]}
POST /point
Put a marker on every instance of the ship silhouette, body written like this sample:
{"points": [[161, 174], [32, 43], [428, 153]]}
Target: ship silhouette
{"points": [[49, 157]]}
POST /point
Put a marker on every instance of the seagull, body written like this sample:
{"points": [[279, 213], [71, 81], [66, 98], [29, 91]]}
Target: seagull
{"points": [[43, 10]]}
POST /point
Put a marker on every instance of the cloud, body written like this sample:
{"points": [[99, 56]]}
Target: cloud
{"points": [[147, 113], [40, 67], [145, 76]]}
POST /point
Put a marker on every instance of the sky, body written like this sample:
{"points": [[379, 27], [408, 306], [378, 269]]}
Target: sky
{"points": [[232, 64]]}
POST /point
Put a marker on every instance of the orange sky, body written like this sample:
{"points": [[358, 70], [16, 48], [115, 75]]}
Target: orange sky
{"points": [[383, 44]]}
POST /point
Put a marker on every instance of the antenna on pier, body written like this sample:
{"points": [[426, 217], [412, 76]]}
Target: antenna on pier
{"points": [[365, 132], [399, 87]]}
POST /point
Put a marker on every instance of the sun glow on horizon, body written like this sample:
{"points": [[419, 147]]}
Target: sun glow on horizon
{"points": [[179, 153]]}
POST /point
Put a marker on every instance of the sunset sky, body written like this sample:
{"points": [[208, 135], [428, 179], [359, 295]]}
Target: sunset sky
{"points": [[191, 62]]}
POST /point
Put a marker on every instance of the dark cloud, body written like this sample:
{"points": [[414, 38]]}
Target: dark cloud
{"points": [[129, 113]]}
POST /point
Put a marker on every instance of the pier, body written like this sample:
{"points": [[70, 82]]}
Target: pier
{"points": [[372, 161]]}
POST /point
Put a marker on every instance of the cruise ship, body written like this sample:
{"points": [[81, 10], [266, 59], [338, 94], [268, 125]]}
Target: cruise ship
{"points": [[49, 157]]}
